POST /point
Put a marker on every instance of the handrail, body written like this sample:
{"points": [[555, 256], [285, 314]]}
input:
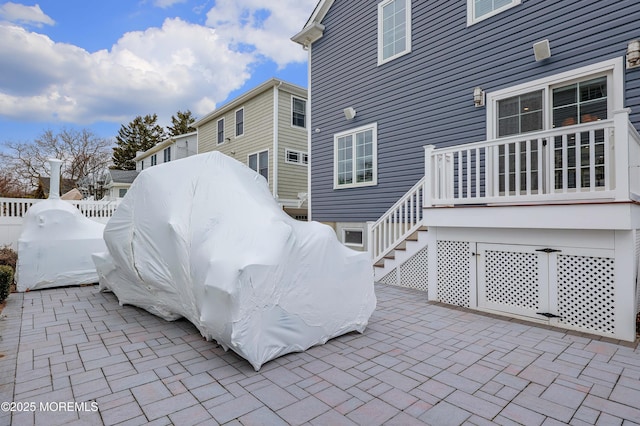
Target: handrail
{"points": [[397, 223]]}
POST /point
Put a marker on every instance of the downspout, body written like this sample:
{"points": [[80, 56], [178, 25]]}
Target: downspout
{"points": [[275, 139], [309, 133]]}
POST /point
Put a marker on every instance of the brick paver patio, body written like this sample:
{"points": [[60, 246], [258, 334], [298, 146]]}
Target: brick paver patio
{"points": [[417, 363]]}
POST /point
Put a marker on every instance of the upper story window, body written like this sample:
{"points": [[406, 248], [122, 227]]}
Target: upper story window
{"points": [[394, 29], [240, 122], [167, 154], [154, 160], [260, 163], [355, 157], [298, 112], [296, 157], [220, 131], [477, 10]]}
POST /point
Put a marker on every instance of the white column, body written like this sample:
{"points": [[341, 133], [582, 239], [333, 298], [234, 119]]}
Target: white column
{"points": [[54, 180], [427, 193], [621, 153]]}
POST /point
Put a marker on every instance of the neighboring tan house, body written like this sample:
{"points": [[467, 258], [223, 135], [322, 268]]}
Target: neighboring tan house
{"points": [[485, 152], [118, 182], [170, 149], [266, 129]]}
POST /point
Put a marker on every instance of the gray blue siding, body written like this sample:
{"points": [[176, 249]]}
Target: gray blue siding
{"points": [[425, 97]]}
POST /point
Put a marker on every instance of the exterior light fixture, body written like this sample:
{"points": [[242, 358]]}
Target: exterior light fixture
{"points": [[541, 50], [349, 113], [478, 97], [633, 54]]}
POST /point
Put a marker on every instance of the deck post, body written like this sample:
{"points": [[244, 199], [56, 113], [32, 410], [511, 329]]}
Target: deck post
{"points": [[621, 153], [370, 238], [427, 191]]}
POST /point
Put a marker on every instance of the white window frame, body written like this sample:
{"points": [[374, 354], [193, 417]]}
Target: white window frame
{"points": [[305, 112], [613, 69], [218, 142], [471, 11], [235, 122], [257, 154], [154, 160], [374, 180], [344, 236], [381, 5], [166, 154], [301, 156]]}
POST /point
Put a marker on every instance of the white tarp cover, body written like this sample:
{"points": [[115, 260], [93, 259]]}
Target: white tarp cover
{"points": [[203, 238], [55, 246]]}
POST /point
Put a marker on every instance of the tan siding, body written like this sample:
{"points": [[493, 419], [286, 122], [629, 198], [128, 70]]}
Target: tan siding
{"points": [[258, 132], [292, 178]]}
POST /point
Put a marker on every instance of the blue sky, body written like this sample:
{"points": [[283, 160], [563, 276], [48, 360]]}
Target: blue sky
{"points": [[97, 65]]}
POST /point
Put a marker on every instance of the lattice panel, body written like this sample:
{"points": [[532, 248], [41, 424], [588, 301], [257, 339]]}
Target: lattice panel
{"points": [[586, 290], [511, 279], [453, 272], [414, 273], [391, 278]]}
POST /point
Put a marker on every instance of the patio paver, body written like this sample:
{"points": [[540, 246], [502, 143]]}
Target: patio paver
{"points": [[65, 351]]}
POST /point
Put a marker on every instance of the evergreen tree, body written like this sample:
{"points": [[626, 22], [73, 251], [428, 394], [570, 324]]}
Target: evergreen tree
{"points": [[141, 134], [181, 124]]}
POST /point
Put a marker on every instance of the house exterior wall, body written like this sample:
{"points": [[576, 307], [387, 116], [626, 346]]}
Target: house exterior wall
{"points": [[425, 97], [292, 178], [258, 132], [181, 147]]}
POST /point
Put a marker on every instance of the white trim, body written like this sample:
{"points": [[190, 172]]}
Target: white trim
{"points": [[235, 123], [276, 150], [613, 68], [309, 132], [301, 157], [223, 130], [374, 179], [344, 237], [471, 9], [381, 5], [305, 112]]}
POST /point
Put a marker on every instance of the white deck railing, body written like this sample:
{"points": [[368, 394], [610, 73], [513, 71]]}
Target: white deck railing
{"points": [[400, 221], [567, 164]]}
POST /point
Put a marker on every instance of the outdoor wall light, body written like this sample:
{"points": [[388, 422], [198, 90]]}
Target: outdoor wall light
{"points": [[349, 113], [541, 50], [478, 97], [633, 54]]}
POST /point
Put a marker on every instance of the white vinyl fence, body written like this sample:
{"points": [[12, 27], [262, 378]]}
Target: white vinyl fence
{"points": [[12, 211]]}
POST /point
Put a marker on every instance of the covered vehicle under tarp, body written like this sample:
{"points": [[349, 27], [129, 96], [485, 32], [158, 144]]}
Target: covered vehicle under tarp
{"points": [[56, 243], [203, 238]]}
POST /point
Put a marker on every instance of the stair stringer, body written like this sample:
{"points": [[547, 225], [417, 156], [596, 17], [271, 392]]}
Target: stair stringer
{"points": [[398, 257]]}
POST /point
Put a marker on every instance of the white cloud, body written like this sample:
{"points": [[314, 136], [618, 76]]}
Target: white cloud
{"points": [[158, 70], [264, 26], [19, 13], [166, 3], [161, 70]]}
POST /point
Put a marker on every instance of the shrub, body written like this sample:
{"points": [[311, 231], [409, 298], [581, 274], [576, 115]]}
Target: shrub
{"points": [[8, 257], [6, 279]]}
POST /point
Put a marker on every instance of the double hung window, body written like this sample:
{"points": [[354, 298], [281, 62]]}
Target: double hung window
{"points": [[298, 112], [220, 131], [477, 10], [394, 29], [260, 163]]}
